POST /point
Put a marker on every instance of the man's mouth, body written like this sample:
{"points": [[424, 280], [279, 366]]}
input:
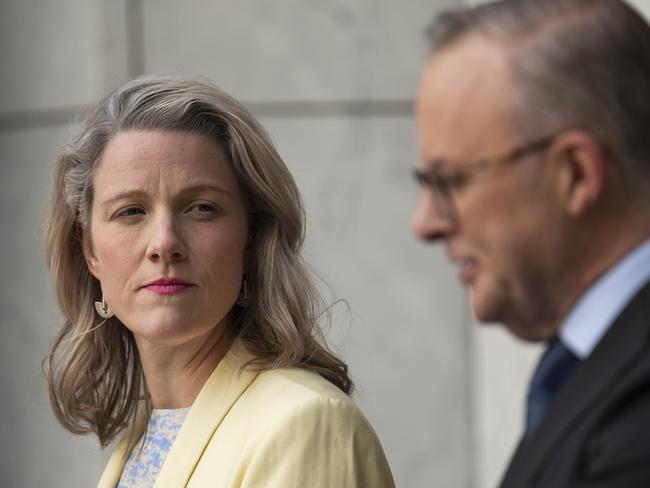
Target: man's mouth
{"points": [[468, 270]]}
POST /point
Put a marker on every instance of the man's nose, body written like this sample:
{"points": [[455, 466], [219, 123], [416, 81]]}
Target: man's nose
{"points": [[431, 219], [165, 241]]}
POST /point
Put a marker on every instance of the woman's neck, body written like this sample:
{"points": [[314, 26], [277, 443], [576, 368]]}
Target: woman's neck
{"points": [[175, 374]]}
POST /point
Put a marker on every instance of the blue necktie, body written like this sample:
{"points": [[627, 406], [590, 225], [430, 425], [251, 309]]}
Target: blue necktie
{"points": [[553, 370]]}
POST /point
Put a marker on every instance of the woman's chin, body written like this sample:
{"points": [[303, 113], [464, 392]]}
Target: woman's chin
{"points": [[169, 327]]}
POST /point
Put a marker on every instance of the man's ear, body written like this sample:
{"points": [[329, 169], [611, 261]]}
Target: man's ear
{"points": [[89, 255], [580, 163]]}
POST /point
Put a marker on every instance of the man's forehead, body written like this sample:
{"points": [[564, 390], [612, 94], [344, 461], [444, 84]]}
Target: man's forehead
{"points": [[465, 101], [471, 50]]}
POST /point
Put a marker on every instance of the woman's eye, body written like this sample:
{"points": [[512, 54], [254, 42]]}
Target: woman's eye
{"points": [[130, 212], [203, 208]]}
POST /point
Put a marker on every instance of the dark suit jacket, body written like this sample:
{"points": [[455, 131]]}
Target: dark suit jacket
{"points": [[596, 431]]}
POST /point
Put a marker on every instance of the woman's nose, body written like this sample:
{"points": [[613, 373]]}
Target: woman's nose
{"points": [[165, 241]]}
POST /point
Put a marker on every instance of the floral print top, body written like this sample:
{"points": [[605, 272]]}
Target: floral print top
{"points": [[145, 461]]}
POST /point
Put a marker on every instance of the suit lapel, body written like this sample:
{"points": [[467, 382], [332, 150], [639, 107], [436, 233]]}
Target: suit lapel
{"points": [[220, 392], [620, 347]]}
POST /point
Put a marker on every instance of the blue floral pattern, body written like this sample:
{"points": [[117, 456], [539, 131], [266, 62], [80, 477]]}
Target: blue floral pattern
{"points": [[144, 463]]}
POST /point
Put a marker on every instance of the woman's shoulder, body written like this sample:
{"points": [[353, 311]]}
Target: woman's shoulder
{"points": [[280, 396], [304, 431], [292, 427], [295, 403], [294, 387]]}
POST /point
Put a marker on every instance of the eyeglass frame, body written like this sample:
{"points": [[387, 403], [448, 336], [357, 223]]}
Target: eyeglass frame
{"points": [[442, 185]]}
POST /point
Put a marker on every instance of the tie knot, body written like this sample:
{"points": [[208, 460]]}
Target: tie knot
{"points": [[553, 370], [554, 366]]}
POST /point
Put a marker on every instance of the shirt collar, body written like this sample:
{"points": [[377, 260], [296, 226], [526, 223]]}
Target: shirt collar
{"points": [[597, 309]]}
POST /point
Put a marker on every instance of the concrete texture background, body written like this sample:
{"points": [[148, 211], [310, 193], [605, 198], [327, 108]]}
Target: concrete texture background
{"points": [[333, 82]]}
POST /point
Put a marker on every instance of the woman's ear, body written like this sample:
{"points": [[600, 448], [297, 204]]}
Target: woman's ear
{"points": [[89, 255], [252, 230], [581, 164]]}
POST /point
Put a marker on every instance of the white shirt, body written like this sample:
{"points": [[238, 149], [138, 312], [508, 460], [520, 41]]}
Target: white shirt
{"points": [[597, 309]]}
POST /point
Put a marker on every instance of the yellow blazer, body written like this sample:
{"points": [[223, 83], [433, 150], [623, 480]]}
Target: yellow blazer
{"points": [[282, 428]]}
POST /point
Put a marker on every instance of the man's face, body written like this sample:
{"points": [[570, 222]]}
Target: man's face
{"points": [[501, 229]]}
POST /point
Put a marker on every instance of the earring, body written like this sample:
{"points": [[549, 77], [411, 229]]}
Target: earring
{"points": [[102, 309], [243, 300]]}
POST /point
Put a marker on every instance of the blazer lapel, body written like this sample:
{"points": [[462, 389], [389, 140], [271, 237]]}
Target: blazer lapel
{"points": [[222, 389], [220, 392], [618, 349]]}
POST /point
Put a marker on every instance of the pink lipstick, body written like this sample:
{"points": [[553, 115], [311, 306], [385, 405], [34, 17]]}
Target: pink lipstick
{"points": [[168, 285]]}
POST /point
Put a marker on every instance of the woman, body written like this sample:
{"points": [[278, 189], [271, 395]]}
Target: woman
{"points": [[174, 244]]}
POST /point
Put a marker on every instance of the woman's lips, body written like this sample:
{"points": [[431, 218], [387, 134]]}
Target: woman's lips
{"points": [[168, 289], [168, 286]]}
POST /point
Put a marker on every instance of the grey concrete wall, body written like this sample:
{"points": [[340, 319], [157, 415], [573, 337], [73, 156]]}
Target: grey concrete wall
{"points": [[333, 82]]}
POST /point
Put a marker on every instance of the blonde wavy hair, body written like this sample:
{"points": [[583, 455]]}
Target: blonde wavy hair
{"points": [[93, 371]]}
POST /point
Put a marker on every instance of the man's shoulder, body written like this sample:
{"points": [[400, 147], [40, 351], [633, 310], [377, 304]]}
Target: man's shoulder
{"points": [[621, 439], [599, 428]]}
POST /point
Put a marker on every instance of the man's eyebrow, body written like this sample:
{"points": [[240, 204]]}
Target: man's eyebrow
{"points": [[435, 163]]}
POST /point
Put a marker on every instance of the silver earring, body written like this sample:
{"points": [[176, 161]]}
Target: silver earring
{"points": [[102, 309], [243, 300]]}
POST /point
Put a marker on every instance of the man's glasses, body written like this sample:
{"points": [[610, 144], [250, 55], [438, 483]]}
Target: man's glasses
{"points": [[444, 184]]}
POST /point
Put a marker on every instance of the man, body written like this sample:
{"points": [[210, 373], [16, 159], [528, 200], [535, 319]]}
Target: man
{"points": [[534, 133]]}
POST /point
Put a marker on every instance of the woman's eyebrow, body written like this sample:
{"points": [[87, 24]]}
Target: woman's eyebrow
{"points": [[205, 187], [190, 190], [123, 195]]}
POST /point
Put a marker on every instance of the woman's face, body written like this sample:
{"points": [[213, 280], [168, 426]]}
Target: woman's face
{"points": [[167, 234]]}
